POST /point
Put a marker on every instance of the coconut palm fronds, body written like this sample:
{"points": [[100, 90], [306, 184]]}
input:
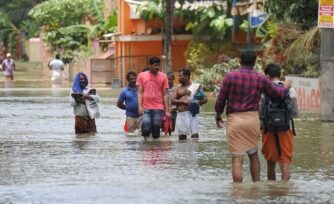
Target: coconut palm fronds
{"points": [[304, 43]]}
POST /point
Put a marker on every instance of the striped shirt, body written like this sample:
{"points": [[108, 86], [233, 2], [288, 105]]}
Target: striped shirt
{"points": [[242, 90]]}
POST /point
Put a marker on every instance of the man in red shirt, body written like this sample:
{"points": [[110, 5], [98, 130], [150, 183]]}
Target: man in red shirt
{"points": [[152, 98], [240, 92]]}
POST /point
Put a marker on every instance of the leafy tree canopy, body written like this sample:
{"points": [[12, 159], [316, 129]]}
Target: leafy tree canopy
{"points": [[69, 24], [302, 12], [204, 21]]}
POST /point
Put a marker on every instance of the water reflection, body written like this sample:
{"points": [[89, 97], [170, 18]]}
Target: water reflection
{"points": [[265, 191], [82, 140], [155, 152]]}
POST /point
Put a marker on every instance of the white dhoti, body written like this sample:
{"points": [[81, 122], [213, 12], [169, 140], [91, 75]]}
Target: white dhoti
{"points": [[57, 76], [185, 124]]}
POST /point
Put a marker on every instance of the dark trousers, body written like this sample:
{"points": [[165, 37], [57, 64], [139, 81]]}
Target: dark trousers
{"points": [[151, 123]]}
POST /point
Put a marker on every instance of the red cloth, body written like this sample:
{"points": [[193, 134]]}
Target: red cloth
{"points": [[269, 148], [168, 125], [126, 127], [84, 125]]}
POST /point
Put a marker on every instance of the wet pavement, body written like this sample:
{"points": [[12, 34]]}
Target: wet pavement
{"points": [[43, 161]]}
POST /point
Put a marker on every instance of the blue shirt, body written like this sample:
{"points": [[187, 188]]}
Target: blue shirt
{"points": [[129, 96]]}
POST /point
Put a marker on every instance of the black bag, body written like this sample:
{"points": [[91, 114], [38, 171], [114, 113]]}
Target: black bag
{"points": [[276, 114]]}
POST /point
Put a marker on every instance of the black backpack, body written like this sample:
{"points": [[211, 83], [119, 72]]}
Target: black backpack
{"points": [[276, 114]]}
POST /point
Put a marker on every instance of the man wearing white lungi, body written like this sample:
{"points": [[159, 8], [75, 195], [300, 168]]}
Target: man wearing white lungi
{"points": [[188, 97]]}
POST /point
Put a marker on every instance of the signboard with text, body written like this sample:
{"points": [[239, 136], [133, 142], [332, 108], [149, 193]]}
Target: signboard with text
{"points": [[326, 14], [308, 93]]}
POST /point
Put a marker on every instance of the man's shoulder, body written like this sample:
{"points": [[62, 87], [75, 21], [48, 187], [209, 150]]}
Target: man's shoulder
{"points": [[142, 74], [125, 89]]}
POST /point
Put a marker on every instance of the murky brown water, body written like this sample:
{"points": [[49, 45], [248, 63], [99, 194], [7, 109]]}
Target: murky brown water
{"points": [[43, 161]]}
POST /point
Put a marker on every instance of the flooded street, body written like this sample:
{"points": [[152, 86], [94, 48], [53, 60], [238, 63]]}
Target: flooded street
{"points": [[43, 161]]}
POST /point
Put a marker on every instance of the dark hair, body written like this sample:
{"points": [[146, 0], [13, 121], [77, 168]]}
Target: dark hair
{"points": [[146, 69], [248, 58], [57, 56], [154, 60], [273, 70], [170, 73], [185, 72], [130, 73]]}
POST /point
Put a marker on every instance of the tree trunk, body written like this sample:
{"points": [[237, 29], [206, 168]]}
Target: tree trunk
{"points": [[168, 35], [327, 74]]}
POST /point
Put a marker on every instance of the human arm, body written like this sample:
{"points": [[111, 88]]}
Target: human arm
{"points": [[76, 98], [275, 91], [165, 98], [120, 101], [140, 100], [221, 102], [120, 105]]}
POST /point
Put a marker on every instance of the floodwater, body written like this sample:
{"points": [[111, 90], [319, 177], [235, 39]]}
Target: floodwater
{"points": [[43, 161]]}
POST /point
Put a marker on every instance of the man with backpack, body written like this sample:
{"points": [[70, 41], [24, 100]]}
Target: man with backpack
{"points": [[241, 92], [278, 127]]}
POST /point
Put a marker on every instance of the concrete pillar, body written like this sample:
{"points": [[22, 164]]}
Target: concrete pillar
{"points": [[327, 74]]}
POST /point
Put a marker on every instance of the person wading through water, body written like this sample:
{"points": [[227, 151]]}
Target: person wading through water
{"points": [[240, 92]]}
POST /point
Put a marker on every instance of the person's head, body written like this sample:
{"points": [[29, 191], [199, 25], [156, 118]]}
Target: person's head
{"points": [[80, 82], [184, 75], [57, 56], [171, 78], [83, 80], [273, 71], [146, 69], [131, 76], [8, 55], [155, 64], [248, 58]]}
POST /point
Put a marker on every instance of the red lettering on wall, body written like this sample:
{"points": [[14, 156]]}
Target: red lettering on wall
{"points": [[308, 101]]}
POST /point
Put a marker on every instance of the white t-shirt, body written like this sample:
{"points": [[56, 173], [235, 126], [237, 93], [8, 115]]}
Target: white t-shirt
{"points": [[56, 64]]}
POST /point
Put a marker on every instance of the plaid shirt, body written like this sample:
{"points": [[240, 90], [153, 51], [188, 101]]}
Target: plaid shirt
{"points": [[242, 90]]}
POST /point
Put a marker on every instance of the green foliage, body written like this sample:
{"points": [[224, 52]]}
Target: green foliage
{"points": [[295, 50], [55, 14], [30, 28], [65, 28], [8, 31], [17, 10], [204, 22], [150, 11], [14, 21], [303, 54], [225, 64], [199, 56], [267, 31], [110, 26], [302, 12]]}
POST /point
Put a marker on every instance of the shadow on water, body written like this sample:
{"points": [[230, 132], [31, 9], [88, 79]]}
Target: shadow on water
{"points": [[43, 161]]}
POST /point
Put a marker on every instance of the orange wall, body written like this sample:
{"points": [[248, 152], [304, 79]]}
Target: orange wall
{"points": [[127, 26], [154, 48]]}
